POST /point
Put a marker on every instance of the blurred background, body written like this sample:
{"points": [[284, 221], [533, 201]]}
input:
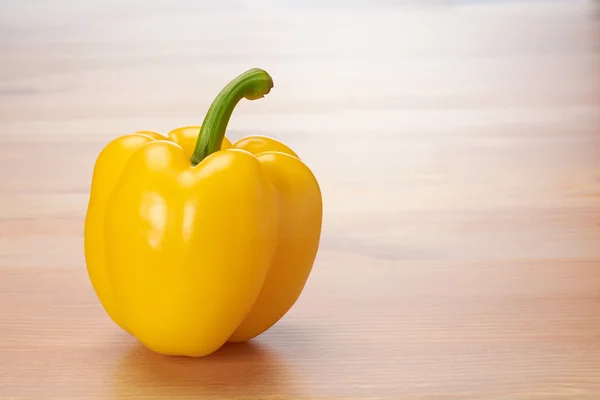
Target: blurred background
{"points": [[401, 108]]}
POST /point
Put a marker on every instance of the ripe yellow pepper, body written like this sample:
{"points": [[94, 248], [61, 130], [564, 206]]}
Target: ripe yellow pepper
{"points": [[192, 241]]}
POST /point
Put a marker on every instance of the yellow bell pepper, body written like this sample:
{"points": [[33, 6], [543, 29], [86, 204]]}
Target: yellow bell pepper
{"points": [[192, 241]]}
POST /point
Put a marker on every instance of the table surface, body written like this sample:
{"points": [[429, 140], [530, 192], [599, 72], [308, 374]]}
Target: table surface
{"points": [[457, 145]]}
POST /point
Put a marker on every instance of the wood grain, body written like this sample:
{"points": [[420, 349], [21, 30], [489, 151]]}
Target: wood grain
{"points": [[458, 149]]}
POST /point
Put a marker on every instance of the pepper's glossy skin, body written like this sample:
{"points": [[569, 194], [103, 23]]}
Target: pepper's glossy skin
{"points": [[185, 257]]}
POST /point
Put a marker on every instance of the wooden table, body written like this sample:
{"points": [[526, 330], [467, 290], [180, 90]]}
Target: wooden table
{"points": [[458, 150]]}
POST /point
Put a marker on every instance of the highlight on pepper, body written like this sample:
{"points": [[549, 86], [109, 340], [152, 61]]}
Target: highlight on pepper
{"points": [[192, 240]]}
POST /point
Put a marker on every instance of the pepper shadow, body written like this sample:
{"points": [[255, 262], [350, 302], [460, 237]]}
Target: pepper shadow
{"points": [[237, 369]]}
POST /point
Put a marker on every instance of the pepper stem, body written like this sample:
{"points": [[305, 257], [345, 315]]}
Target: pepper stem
{"points": [[252, 84]]}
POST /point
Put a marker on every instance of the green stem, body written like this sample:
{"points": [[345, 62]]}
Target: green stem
{"points": [[252, 84]]}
